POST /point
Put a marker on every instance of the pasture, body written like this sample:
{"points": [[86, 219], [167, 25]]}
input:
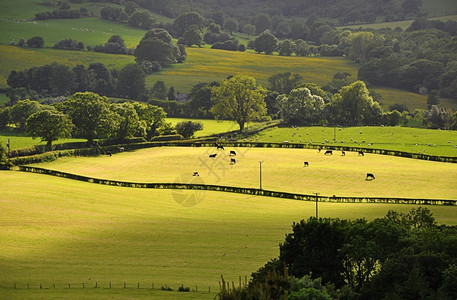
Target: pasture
{"points": [[59, 231], [282, 170], [414, 140]]}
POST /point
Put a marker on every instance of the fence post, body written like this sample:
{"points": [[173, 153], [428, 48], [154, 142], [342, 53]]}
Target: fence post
{"points": [[96, 284], [110, 284], [209, 289], [153, 285], [69, 286], [83, 284], [138, 285], [124, 284]]}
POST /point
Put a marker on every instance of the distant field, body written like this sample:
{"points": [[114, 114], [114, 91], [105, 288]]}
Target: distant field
{"points": [[282, 170], [206, 65], [402, 24], [16, 58], [55, 230], [442, 142], [210, 127]]}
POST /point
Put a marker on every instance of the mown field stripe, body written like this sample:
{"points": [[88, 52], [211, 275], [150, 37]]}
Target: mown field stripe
{"points": [[239, 190]]}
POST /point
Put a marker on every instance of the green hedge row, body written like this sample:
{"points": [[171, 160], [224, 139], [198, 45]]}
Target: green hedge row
{"points": [[240, 190]]}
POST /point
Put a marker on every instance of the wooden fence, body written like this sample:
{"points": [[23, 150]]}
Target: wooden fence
{"points": [[240, 190]]}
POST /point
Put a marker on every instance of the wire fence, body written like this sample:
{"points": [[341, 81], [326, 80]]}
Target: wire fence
{"points": [[112, 285]]}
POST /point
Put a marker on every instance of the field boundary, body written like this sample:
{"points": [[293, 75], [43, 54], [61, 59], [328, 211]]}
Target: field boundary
{"points": [[239, 190]]}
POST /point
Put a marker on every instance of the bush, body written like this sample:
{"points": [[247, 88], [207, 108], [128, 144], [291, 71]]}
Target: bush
{"points": [[188, 128]]}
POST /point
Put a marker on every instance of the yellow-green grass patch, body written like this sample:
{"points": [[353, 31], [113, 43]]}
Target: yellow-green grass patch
{"points": [[282, 170], [19, 59], [55, 230], [414, 140], [211, 127]]}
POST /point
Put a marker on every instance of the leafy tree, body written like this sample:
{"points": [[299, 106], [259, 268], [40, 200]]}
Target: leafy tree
{"points": [[142, 19], [360, 43], [156, 47], [91, 115], [261, 22], [35, 42], [152, 118], [283, 83], [188, 128], [4, 117], [159, 90], [200, 100], [171, 93], [249, 30], [314, 247], [131, 83], [231, 25], [300, 107], [192, 36], [49, 125], [286, 48], [432, 99], [129, 121], [23, 109], [103, 80], [239, 98], [353, 105], [298, 30], [184, 21], [61, 80], [214, 28], [266, 42]]}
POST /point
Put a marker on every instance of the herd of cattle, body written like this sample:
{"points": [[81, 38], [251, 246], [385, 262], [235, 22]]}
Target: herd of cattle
{"points": [[369, 176]]}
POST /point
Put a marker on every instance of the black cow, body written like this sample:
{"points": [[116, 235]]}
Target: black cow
{"points": [[232, 153], [370, 176], [121, 149], [328, 152], [109, 153], [220, 147], [343, 153], [306, 164], [361, 153], [196, 174], [213, 155], [232, 161]]}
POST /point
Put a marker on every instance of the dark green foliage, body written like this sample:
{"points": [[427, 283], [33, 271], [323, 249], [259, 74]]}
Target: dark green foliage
{"points": [[265, 42], [69, 44], [35, 42], [188, 128], [283, 83], [131, 82]]}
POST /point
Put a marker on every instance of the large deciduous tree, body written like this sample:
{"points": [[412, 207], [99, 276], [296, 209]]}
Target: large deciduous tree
{"points": [[128, 120], [131, 82], [49, 125], [283, 83], [91, 115], [23, 109], [353, 105], [301, 107], [239, 98], [265, 42], [184, 21]]}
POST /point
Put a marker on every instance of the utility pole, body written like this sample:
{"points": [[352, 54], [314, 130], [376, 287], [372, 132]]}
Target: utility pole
{"points": [[317, 212], [8, 154], [260, 162]]}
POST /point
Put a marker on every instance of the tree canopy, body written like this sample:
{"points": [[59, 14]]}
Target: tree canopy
{"points": [[239, 98]]}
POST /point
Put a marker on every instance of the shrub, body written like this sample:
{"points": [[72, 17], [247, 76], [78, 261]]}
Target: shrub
{"points": [[188, 128]]}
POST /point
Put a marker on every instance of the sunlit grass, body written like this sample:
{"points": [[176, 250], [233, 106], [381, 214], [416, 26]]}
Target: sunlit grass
{"points": [[55, 230], [414, 140], [282, 170]]}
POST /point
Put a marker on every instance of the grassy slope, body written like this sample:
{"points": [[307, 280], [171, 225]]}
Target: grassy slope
{"points": [[442, 142], [282, 170], [55, 230]]}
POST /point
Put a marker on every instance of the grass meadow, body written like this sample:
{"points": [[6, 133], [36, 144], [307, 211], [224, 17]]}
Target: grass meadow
{"points": [[282, 170], [59, 231], [414, 140]]}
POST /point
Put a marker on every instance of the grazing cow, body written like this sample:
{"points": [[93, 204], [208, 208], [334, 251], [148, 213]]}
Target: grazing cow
{"points": [[328, 152], [213, 155], [220, 147], [319, 149], [232, 161], [370, 176], [306, 164], [232, 153], [109, 153], [121, 149], [343, 153], [196, 174], [361, 153]]}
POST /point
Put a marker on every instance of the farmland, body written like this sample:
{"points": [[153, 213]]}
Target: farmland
{"points": [[59, 231]]}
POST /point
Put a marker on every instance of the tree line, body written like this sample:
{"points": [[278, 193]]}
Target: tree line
{"points": [[399, 256]]}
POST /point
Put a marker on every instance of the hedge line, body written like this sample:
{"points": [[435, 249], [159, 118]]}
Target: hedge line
{"points": [[240, 190]]}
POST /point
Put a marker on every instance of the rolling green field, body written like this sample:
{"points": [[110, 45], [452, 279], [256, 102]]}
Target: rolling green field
{"points": [[414, 140], [59, 231], [282, 170]]}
